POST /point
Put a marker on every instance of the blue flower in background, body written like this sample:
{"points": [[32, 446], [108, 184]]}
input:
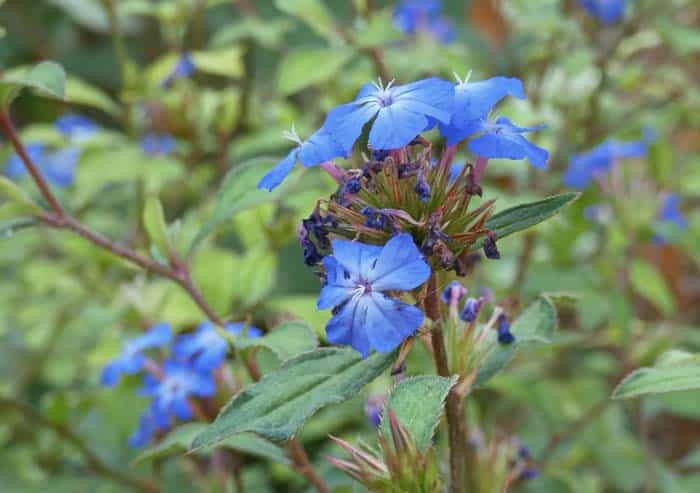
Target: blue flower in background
{"points": [[148, 426], [606, 11], [357, 277], [502, 139], [131, 360], [184, 68], [57, 167], [206, 347], [170, 394], [318, 148], [505, 336], [413, 16], [671, 213], [586, 166], [76, 127], [155, 144], [473, 101], [401, 112], [14, 166]]}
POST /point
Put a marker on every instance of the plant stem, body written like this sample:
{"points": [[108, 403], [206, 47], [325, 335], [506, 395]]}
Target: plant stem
{"points": [[304, 467], [93, 461], [456, 428], [177, 271]]}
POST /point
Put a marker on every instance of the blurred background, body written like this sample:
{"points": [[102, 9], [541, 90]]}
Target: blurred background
{"points": [[184, 95]]}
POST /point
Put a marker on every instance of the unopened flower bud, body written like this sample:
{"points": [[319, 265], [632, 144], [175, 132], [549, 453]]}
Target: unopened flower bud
{"points": [[490, 248]]}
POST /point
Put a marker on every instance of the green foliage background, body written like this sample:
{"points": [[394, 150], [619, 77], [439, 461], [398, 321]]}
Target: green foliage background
{"points": [[65, 306]]}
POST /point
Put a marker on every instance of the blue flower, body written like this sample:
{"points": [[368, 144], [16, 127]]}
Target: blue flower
{"points": [[606, 11], [318, 148], [399, 113], [184, 68], [170, 394], [155, 144], [76, 127], [584, 167], [14, 166], [147, 428], [474, 101], [131, 360], [671, 213], [206, 347], [357, 276], [502, 139], [413, 16], [57, 167]]}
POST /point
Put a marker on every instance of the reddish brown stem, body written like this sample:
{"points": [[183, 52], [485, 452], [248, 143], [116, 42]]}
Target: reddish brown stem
{"points": [[304, 467], [456, 428]]}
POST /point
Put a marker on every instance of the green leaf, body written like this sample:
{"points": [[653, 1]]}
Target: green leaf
{"points": [[524, 216], [306, 67], [648, 283], [287, 340], [674, 371], [536, 324], [80, 92], [8, 227], [47, 79], [313, 13], [155, 225], [11, 192], [239, 192], [269, 33], [277, 406], [226, 62], [179, 440], [418, 404]]}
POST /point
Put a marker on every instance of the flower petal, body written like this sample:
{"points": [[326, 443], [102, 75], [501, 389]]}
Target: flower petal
{"points": [[389, 322], [277, 174], [339, 286], [348, 326], [344, 124], [400, 266], [475, 100], [509, 146], [395, 127], [432, 97], [356, 257]]}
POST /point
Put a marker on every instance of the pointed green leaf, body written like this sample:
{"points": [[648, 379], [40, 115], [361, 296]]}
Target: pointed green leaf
{"points": [[648, 282], [675, 370], [277, 406], [11, 192], [239, 192], [286, 340], [306, 67], [48, 79], [418, 404], [154, 223], [80, 92], [524, 216], [535, 324], [179, 440]]}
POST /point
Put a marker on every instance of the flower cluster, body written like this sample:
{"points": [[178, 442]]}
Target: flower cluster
{"points": [[57, 166], [188, 372], [424, 16], [404, 212]]}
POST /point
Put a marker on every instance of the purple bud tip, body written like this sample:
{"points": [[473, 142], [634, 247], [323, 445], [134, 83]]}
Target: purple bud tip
{"points": [[422, 188], [374, 409], [529, 473], [453, 293], [490, 248], [505, 336], [471, 309]]}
